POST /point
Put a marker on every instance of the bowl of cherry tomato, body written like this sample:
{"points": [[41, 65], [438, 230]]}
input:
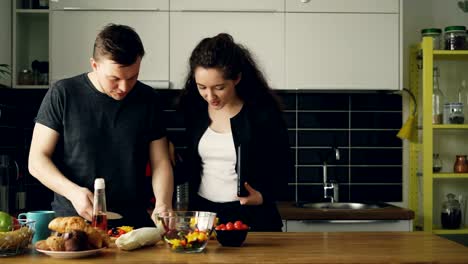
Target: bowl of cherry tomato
{"points": [[232, 234]]}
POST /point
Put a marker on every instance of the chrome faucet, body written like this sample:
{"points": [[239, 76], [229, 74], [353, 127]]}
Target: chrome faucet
{"points": [[330, 185]]}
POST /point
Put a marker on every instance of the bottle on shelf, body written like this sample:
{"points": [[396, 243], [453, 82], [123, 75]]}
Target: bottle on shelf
{"points": [[438, 99], [99, 205], [463, 98]]}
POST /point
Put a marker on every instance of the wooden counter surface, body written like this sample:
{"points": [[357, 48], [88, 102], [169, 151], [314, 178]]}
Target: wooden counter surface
{"points": [[290, 212], [349, 247]]}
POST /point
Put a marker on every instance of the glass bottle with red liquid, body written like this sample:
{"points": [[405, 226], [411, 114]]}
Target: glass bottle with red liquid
{"points": [[99, 205]]}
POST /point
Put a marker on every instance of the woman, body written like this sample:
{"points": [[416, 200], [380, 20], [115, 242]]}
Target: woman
{"points": [[233, 124]]}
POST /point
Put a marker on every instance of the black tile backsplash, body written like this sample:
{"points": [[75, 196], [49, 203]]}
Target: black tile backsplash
{"points": [[362, 125]]}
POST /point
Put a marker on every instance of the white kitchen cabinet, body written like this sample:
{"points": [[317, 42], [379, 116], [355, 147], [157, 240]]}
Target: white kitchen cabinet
{"points": [[343, 6], [5, 39], [348, 225], [261, 32], [359, 51], [73, 33], [110, 4], [30, 43], [228, 5]]}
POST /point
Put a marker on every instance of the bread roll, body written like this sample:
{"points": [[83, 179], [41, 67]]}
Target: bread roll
{"points": [[66, 224], [55, 243], [42, 244]]}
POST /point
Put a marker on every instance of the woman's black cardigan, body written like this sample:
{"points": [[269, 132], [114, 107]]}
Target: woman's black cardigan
{"points": [[266, 162]]}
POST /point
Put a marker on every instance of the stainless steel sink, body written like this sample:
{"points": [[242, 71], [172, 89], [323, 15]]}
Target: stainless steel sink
{"points": [[344, 206]]}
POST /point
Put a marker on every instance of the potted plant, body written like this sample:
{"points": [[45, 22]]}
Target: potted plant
{"points": [[4, 70]]}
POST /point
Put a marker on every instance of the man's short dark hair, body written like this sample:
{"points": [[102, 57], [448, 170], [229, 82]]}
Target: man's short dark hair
{"points": [[119, 43]]}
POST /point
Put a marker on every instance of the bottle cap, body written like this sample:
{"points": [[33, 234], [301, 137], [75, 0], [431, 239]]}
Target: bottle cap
{"points": [[99, 183]]}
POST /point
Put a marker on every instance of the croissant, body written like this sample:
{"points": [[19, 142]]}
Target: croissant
{"points": [[65, 224]]}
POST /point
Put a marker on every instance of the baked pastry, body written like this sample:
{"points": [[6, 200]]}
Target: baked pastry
{"points": [[55, 243], [73, 234], [65, 224]]}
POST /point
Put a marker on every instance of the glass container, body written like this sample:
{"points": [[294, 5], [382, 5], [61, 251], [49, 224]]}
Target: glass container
{"points": [[455, 38], [438, 99], [99, 205], [436, 163], [451, 213], [435, 34], [453, 113]]}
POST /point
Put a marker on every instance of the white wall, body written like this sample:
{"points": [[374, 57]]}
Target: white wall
{"points": [[5, 36]]}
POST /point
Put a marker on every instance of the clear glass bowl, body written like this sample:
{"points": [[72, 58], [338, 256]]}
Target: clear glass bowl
{"points": [[187, 231], [15, 241]]}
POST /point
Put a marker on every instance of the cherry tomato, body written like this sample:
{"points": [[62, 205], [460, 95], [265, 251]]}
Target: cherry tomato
{"points": [[244, 227], [229, 226], [238, 225]]}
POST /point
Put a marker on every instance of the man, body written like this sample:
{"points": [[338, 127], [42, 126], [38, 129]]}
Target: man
{"points": [[103, 124]]}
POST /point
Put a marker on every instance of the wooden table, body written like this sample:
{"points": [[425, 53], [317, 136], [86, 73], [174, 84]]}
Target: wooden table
{"points": [[349, 247]]}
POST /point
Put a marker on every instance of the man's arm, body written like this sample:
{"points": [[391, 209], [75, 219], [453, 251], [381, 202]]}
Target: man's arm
{"points": [[162, 178], [40, 166]]}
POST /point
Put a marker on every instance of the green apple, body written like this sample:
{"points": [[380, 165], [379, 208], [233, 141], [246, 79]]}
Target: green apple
{"points": [[5, 222]]}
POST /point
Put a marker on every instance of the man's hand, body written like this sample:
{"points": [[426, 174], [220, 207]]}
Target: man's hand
{"points": [[157, 210], [254, 197], [82, 200]]}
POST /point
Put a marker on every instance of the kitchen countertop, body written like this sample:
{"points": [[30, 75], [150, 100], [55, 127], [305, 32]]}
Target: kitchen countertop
{"points": [[290, 212], [335, 247]]}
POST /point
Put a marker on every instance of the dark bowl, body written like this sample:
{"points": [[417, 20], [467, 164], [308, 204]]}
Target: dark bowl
{"points": [[231, 238]]}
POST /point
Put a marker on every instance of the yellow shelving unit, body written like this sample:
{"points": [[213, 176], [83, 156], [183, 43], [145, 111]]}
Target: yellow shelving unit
{"points": [[426, 143]]}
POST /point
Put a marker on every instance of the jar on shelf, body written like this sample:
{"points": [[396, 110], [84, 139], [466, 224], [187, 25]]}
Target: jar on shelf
{"points": [[436, 163], [25, 77], [460, 165], [451, 213], [455, 38], [453, 113], [434, 33]]}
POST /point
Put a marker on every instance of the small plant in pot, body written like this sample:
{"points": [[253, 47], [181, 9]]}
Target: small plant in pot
{"points": [[4, 70]]}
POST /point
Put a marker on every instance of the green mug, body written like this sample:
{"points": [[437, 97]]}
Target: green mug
{"points": [[42, 219]]}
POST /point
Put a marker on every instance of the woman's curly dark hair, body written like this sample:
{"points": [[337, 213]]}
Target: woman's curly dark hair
{"points": [[232, 59]]}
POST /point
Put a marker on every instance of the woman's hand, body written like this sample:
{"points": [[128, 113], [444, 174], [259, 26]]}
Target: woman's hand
{"points": [[254, 197]]}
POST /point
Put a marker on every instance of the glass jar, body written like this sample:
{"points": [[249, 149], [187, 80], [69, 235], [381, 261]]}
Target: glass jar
{"points": [[455, 38], [453, 113], [434, 33], [451, 213], [25, 77], [436, 163]]}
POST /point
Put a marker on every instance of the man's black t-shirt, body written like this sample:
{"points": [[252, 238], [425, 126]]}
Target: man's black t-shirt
{"points": [[103, 138]]}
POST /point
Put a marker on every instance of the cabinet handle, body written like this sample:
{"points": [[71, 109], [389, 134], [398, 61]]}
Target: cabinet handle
{"points": [[108, 9], [227, 11]]}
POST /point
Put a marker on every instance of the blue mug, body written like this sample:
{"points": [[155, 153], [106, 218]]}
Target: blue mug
{"points": [[42, 219]]}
